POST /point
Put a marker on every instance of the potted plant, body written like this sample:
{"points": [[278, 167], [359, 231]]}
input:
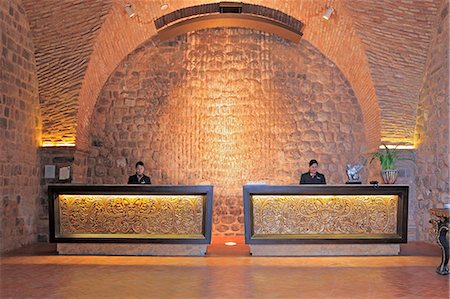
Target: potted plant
{"points": [[388, 158]]}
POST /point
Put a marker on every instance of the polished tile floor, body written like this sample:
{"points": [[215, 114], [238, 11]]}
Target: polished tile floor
{"points": [[226, 272]]}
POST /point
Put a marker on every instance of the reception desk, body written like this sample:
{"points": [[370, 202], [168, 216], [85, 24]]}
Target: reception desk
{"points": [[130, 219], [325, 219]]}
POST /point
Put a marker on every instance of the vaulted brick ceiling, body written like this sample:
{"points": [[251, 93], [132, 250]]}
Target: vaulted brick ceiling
{"points": [[380, 46]]}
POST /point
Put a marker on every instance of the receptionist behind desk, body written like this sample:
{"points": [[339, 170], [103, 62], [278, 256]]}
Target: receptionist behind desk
{"points": [[139, 177], [312, 176]]}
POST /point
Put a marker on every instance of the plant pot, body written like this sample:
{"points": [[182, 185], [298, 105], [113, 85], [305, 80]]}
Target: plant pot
{"points": [[389, 175]]}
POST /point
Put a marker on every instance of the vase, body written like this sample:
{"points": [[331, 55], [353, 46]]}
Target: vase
{"points": [[389, 175]]}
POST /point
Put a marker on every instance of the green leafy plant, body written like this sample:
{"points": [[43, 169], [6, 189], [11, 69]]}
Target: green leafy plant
{"points": [[387, 157]]}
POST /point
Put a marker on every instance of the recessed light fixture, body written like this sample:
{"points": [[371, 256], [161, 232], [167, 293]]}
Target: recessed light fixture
{"points": [[328, 13], [164, 6], [130, 11], [230, 243]]}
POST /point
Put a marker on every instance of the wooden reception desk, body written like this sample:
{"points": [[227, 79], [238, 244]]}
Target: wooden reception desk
{"points": [[325, 219], [130, 219]]}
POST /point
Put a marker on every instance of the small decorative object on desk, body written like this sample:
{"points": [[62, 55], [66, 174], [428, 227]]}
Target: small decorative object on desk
{"points": [[389, 175], [440, 220], [353, 173]]}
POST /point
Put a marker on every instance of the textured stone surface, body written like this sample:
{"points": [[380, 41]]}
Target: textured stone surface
{"points": [[206, 109], [432, 130], [324, 249], [59, 157], [407, 176], [131, 249], [19, 129]]}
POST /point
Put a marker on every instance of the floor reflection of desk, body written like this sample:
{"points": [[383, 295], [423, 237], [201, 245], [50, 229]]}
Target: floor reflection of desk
{"points": [[440, 220]]}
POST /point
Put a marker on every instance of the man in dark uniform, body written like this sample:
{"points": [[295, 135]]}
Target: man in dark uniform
{"points": [[139, 177], [312, 176]]}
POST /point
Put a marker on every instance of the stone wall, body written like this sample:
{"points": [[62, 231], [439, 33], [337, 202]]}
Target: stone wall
{"points": [[19, 129], [58, 157], [407, 176], [225, 107], [432, 129]]}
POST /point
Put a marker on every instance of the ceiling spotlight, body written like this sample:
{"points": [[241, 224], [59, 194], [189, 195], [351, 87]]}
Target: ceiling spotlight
{"points": [[164, 6], [129, 10], [328, 13]]}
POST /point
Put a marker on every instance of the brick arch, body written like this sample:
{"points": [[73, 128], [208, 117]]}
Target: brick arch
{"points": [[336, 39]]}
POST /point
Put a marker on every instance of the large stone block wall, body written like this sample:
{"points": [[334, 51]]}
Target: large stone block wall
{"points": [[58, 157], [432, 129], [19, 129], [225, 107]]}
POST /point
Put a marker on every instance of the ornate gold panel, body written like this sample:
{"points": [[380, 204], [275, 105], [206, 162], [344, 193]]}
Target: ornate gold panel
{"points": [[337, 215], [136, 216]]}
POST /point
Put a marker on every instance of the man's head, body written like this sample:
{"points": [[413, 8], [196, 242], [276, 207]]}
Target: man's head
{"points": [[140, 168], [313, 165]]}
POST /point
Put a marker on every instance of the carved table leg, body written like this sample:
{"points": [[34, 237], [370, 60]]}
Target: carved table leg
{"points": [[443, 243]]}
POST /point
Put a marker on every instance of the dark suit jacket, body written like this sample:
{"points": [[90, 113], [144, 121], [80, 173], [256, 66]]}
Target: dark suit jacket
{"points": [[306, 178], [134, 180]]}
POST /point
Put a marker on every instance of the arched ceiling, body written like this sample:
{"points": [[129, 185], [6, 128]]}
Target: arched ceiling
{"points": [[380, 46], [63, 35]]}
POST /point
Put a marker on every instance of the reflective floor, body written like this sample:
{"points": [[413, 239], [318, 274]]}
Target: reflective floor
{"points": [[226, 272]]}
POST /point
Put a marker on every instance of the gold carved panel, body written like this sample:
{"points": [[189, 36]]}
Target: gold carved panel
{"points": [[124, 215], [336, 215]]}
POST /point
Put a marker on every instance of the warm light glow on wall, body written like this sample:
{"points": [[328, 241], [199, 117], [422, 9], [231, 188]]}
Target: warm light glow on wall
{"points": [[406, 147], [405, 142], [56, 144]]}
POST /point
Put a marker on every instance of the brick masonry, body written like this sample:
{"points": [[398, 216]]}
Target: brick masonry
{"points": [[225, 107], [63, 35], [20, 125], [397, 36], [432, 129]]}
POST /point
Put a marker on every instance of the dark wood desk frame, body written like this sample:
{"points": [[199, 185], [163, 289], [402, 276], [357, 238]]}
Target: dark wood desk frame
{"points": [[206, 190], [402, 212]]}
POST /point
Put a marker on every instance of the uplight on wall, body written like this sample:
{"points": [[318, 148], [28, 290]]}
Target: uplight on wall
{"points": [[130, 11], [328, 13], [404, 147], [56, 144]]}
